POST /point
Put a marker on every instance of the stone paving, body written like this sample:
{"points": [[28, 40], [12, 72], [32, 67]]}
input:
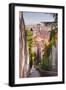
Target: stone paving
{"points": [[34, 73]]}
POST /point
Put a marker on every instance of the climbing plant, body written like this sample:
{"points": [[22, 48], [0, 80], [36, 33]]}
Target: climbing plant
{"points": [[44, 64], [29, 45]]}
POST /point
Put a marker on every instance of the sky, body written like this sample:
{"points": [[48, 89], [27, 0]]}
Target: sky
{"points": [[32, 18]]}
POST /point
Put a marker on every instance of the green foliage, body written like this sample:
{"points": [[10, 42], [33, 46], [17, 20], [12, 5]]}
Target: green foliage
{"points": [[29, 38], [29, 45], [52, 37], [44, 64]]}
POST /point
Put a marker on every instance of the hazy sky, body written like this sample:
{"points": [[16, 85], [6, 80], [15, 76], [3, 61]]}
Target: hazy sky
{"points": [[37, 17]]}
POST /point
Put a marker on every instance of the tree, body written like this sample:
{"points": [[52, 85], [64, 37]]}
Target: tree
{"points": [[55, 16]]}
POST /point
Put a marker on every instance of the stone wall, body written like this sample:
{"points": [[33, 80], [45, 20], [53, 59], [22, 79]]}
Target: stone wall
{"points": [[22, 47]]}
